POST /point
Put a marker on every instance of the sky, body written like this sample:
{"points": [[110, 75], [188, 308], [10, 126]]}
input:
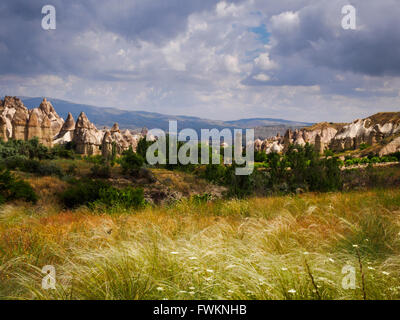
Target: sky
{"points": [[222, 60]]}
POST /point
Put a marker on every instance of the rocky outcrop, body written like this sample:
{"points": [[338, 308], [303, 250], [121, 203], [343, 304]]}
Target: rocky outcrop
{"points": [[391, 147], [372, 131], [17, 122], [381, 130], [66, 133], [106, 145], [47, 110], [87, 137]]}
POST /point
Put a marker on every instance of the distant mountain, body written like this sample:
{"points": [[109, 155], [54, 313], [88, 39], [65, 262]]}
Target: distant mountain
{"points": [[133, 120]]}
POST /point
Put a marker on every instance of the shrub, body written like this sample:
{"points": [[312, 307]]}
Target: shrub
{"points": [[65, 151], [82, 192], [142, 147], [24, 164], [364, 146], [328, 153], [72, 170], [120, 198], [260, 156], [94, 194], [131, 162], [396, 155], [14, 162], [98, 159], [100, 171], [49, 169], [12, 188]]}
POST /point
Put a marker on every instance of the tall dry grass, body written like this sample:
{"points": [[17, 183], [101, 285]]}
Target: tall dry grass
{"points": [[291, 247]]}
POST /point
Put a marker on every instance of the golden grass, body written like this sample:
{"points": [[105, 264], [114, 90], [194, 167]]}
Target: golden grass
{"points": [[228, 249]]}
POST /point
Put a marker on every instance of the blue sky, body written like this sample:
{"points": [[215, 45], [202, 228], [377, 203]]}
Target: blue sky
{"points": [[262, 34], [217, 59]]}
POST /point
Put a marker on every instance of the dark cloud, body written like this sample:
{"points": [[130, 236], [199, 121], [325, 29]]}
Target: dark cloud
{"points": [[25, 48], [372, 49], [204, 56]]}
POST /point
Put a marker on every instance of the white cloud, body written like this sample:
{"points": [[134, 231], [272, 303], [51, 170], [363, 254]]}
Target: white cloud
{"points": [[264, 62], [262, 77], [224, 9], [232, 63], [285, 21]]}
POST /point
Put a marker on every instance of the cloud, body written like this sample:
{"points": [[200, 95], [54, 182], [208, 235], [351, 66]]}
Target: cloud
{"points": [[285, 22], [226, 59], [264, 62], [262, 77]]}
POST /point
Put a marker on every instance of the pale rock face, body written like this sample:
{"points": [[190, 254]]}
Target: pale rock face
{"points": [[48, 110], [275, 147], [87, 137], [66, 133], [106, 146], [3, 128], [391, 147], [17, 122], [365, 131], [257, 145]]}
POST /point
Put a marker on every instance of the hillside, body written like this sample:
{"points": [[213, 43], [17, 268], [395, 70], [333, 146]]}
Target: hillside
{"points": [[138, 119]]}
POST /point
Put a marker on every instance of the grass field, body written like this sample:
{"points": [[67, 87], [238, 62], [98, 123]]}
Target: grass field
{"points": [[289, 247]]}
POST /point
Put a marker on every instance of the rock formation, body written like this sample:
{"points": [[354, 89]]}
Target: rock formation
{"points": [[87, 137], [373, 131], [106, 145], [17, 122], [66, 133], [381, 130]]}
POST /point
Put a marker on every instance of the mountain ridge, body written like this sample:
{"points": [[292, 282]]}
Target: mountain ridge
{"points": [[134, 120]]}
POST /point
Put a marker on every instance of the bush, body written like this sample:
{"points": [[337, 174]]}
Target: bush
{"points": [[72, 170], [82, 192], [31, 149], [14, 162], [65, 151], [364, 146], [260, 156], [131, 162], [215, 173], [98, 159], [50, 169], [100, 194], [12, 188], [142, 147], [120, 198], [24, 164], [100, 171]]}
